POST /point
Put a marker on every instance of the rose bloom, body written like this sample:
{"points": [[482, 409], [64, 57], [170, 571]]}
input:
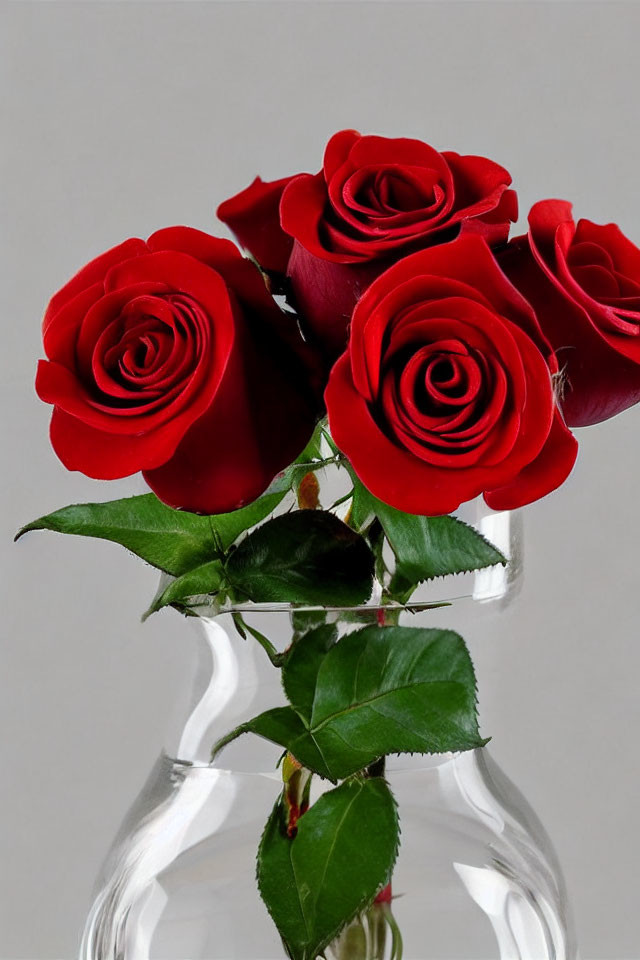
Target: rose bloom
{"points": [[446, 389], [584, 282], [375, 200], [169, 356]]}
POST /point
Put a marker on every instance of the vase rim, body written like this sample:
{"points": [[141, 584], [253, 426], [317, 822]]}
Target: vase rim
{"points": [[416, 607], [357, 608]]}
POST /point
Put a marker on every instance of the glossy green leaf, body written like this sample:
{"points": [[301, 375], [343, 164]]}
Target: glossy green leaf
{"points": [[303, 663], [313, 450], [229, 526], [202, 580], [171, 540], [343, 852], [425, 547], [307, 556], [380, 690]]}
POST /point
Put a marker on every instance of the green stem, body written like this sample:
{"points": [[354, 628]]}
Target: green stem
{"points": [[277, 659], [216, 539], [396, 936], [313, 465], [377, 933], [228, 738], [336, 503]]}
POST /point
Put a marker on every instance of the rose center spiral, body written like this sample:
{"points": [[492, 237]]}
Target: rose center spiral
{"points": [[389, 192], [147, 352], [443, 399]]}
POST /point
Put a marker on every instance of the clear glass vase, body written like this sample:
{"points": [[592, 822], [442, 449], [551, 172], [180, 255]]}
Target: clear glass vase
{"points": [[476, 877]]}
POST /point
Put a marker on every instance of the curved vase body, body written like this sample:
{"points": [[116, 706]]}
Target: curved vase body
{"points": [[476, 876]]}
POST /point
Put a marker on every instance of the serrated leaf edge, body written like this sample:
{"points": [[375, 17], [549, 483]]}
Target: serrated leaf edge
{"points": [[367, 901], [364, 903]]}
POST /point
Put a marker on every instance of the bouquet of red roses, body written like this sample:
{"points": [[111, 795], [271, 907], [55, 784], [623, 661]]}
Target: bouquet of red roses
{"points": [[384, 323]]}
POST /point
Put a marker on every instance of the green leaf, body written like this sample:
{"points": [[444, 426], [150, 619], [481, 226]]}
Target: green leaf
{"points": [[244, 628], [171, 540], [307, 556], [200, 581], [343, 852], [303, 663], [425, 547], [380, 690], [363, 505], [229, 526], [302, 621], [313, 450]]}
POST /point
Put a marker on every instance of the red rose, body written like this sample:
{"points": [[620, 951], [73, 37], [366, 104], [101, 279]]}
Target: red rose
{"points": [[170, 357], [445, 390], [375, 200], [584, 282]]}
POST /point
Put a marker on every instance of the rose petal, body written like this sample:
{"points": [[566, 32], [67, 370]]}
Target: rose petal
{"points": [[392, 474], [107, 456], [337, 150], [546, 473], [94, 272], [254, 217], [258, 423]]}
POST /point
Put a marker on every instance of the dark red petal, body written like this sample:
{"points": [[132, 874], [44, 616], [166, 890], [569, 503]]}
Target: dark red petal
{"points": [[97, 318], [105, 456], [599, 380], [303, 364], [215, 252], [598, 282], [184, 274], [302, 210], [479, 183], [398, 477], [585, 253], [61, 332], [370, 322], [93, 272], [609, 237], [547, 472], [254, 217], [494, 226], [522, 430], [619, 326], [545, 217], [337, 151], [551, 246], [325, 294], [223, 256], [505, 212], [611, 304], [467, 259], [489, 436], [398, 150], [258, 422], [392, 474], [57, 385], [430, 203]]}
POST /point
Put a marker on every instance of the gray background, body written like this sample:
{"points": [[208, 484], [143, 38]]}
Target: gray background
{"points": [[121, 118]]}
